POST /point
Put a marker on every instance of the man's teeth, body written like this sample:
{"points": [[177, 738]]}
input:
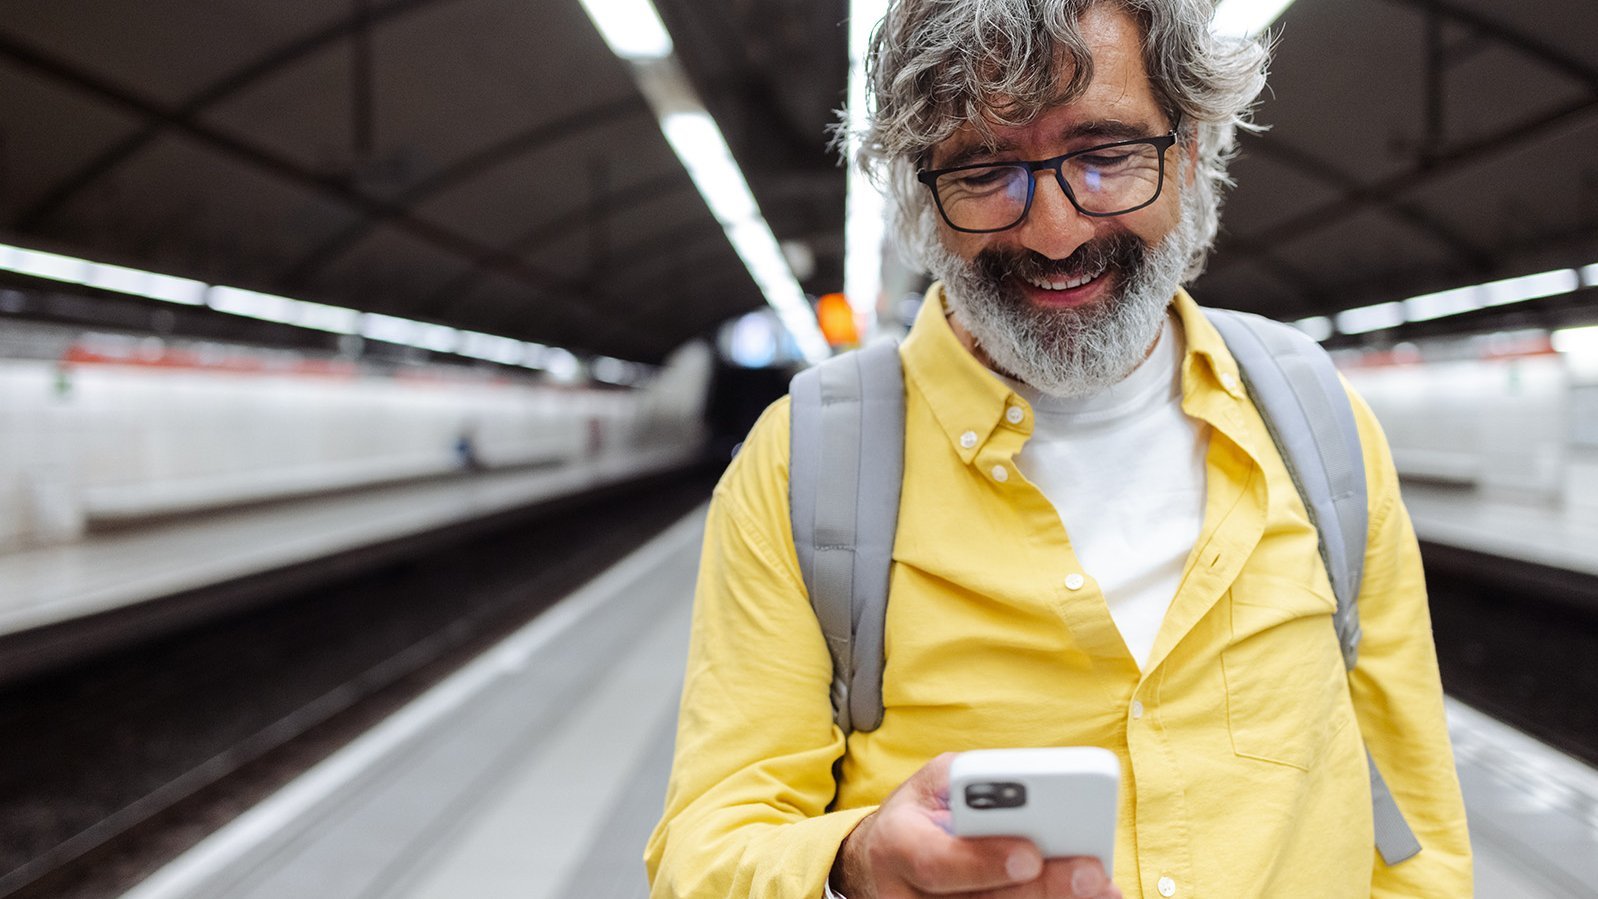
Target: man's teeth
{"points": [[1062, 283]]}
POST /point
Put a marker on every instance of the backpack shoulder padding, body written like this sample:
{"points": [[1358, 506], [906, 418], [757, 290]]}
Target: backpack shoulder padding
{"points": [[846, 464]]}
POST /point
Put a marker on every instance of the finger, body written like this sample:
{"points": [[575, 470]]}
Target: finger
{"points": [[932, 782], [941, 864], [1082, 877]]}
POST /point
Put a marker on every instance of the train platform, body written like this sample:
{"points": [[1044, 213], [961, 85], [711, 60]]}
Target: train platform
{"points": [[118, 569], [538, 770], [1551, 534]]}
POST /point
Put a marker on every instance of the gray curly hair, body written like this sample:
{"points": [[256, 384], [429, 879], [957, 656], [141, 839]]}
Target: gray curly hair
{"points": [[936, 65]]}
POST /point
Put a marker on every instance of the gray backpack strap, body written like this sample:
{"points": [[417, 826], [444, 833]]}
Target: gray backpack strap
{"points": [[1295, 387], [846, 463]]}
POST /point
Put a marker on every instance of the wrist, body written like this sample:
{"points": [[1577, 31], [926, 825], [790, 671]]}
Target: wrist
{"points": [[850, 875]]}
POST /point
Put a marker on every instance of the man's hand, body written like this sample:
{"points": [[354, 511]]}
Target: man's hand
{"points": [[905, 850]]}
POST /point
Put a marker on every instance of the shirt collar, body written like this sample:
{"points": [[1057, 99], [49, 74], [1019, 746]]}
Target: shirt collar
{"points": [[966, 398], [1208, 364], [964, 395]]}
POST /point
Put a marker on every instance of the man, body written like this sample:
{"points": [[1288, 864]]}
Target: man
{"points": [[1098, 543]]}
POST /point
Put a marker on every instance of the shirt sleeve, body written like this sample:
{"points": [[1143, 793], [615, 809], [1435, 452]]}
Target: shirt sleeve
{"points": [[746, 809], [1398, 695]]}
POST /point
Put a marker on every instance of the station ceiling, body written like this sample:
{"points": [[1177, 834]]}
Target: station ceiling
{"points": [[490, 165]]}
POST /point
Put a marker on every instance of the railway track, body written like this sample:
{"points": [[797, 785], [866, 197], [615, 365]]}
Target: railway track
{"points": [[1519, 641], [117, 765]]}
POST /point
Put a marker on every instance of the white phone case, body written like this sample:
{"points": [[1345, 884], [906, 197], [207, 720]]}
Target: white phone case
{"points": [[1062, 799]]}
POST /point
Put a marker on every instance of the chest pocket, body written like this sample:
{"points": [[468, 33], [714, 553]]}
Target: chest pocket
{"points": [[1286, 690]]}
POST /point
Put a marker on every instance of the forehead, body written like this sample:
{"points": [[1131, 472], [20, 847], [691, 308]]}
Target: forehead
{"points": [[1120, 94]]}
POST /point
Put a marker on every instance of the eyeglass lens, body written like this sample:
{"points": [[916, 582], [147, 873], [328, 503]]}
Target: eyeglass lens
{"points": [[991, 198]]}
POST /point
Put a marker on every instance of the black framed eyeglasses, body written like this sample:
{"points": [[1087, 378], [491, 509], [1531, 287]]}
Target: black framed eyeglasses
{"points": [[1109, 179]]}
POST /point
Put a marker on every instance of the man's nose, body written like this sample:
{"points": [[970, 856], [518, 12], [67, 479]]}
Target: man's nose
{"points": [[1053, 226]]}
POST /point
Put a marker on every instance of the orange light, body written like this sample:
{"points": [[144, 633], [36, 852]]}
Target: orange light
{"points": [[836, 318]]}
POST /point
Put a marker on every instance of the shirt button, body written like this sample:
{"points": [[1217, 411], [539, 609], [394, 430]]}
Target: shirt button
{"points": [[1167, 887], [1137, 709], [1228, 381], [1014, 414], [1074, 581], [1000, 474], [968, 439]]}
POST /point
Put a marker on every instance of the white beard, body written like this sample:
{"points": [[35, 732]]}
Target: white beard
{"points": [[1071, 352]]}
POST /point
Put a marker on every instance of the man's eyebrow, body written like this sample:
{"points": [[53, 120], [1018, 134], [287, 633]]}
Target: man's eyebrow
{"points": [[1110, 129], [971, 152], [1107, 130]]}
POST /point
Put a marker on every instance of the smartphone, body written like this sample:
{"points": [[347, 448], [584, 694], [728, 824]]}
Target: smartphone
{"points": [[1062, 799]]}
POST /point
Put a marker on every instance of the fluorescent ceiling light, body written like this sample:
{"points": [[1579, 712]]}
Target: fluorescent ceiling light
{"points": [[632, 28], [271, 308], [1370, 318], [1318, 327], [320, 317], [175, 290], [704, 152], [285, 310], [562, 365], [1437, 305], [699, 144], [151, 285], [1246, 18], [491, 348], [438, 338], [100, 275], [388, 328], [533, 355], [250, 304], [1530, 287], [1460, 300], [117, 278], [51, 266]]}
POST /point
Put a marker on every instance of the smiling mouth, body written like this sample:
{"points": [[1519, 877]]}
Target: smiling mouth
{"points": [[1059, 282]]}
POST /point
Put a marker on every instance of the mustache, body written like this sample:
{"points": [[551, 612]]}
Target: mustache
{"points": [[1116, 252]]}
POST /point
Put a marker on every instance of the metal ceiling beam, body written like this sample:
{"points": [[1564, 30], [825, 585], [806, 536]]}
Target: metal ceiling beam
{"points": [[1385, 195], [689, 255], [552, 286], [1464, 251], [531, 140], [1548, 54], [463, 285], [681, 244], [1444, 164], [1305, 286], [250, 73], [652, 258]]}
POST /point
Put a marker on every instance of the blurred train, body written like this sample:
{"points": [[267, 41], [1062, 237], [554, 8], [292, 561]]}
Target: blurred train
{"points": [[1509, 413], [101, 429]]}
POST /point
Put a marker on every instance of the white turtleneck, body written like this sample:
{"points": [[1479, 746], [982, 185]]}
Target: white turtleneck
{"points": [[1124, 469]]}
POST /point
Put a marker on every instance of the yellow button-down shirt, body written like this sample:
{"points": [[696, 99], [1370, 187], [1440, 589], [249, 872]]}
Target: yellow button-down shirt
{"points": [[1242, 741]]}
